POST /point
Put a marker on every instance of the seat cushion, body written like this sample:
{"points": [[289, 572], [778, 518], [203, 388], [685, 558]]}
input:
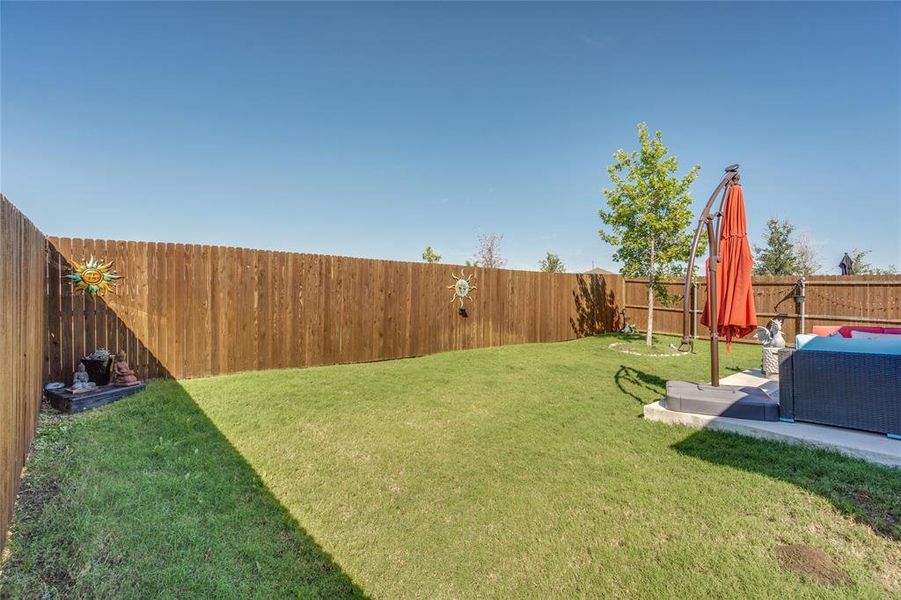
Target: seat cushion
{"points": [[886, 345], [848, 329], [825, 329]]}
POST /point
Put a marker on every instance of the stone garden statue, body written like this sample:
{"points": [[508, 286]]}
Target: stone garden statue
{"points": [[122, 375], [771, 335], [772, 339], [81, 381]]}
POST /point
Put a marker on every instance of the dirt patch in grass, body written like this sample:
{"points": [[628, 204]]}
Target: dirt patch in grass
{"points": [[880, 516], [812, 563]]}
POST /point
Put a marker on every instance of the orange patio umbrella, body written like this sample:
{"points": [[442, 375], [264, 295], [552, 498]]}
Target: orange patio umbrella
{"points": [[735, 313], [729, 311]]}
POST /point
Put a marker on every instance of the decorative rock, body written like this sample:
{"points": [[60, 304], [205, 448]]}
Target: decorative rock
{"points": [[98, 354]]}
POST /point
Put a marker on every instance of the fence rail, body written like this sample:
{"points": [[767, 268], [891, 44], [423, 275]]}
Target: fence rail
{"points": [[22, 327]]}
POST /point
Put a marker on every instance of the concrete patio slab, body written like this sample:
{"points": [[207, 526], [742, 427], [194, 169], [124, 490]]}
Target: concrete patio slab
{"points": [[871, 447]]}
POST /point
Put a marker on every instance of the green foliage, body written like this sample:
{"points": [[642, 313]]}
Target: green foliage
{"points": [[430, 256], [859, 263], [471, 263], [648, 209], [482, 473], [778, 255], [551, 264], [862, 267], [648, 213], [147, 499]]}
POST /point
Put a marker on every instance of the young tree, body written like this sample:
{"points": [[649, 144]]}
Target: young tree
{"points": [[858, 261], [862, 267], [489, 254], [551, 264], [778, 256], [806, 253], [648, 213], [430, 256]]}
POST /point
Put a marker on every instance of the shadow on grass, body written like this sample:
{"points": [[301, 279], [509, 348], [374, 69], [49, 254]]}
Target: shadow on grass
{"points": [[146, 498], [868, 493], [633, 382]]}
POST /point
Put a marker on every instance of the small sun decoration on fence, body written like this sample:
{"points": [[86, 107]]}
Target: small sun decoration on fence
{"points": [[463, 289], [94, 276]]}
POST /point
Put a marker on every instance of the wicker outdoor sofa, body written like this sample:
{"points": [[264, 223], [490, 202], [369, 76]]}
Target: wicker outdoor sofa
{"points": [[845, 383]]}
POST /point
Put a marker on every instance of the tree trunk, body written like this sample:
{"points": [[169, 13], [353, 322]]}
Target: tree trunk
{"points": [[649, 336]]}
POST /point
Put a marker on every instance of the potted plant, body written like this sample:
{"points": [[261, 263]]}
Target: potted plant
{"points": [[98, 364]]}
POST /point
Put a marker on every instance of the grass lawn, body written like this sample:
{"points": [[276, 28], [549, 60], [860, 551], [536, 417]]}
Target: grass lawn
{"points": [[519, 471]]}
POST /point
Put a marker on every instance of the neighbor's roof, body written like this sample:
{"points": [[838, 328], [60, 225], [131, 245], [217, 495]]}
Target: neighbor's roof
{"points": [[600, 271]]}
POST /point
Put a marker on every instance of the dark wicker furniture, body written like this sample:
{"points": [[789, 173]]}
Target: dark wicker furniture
{"points": [[845, 389]]}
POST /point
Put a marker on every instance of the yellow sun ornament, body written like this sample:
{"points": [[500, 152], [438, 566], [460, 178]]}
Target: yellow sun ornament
{"points": [[462, 287], [94, 276]]}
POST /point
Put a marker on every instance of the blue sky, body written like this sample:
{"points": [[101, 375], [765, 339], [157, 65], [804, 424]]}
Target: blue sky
{"points": [[376, 129]]}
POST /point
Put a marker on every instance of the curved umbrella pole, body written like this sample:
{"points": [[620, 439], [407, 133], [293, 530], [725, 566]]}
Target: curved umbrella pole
{"points": [[706, 223]]}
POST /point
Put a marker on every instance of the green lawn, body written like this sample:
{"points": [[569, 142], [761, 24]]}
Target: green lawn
{"points": [[520, 471]]}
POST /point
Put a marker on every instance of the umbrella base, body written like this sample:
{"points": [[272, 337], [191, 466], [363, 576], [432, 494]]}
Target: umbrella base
{"points": [[735, 401]]}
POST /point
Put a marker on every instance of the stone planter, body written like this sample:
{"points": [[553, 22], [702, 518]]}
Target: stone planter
{"points": [[770, 362], [98, 369]]}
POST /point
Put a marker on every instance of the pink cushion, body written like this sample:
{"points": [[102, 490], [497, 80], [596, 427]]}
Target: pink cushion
{"points": [[825, 329], [847, 329]]}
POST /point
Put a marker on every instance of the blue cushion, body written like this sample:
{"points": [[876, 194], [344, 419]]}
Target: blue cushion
{"points": [[860, 346], [802, 338]]}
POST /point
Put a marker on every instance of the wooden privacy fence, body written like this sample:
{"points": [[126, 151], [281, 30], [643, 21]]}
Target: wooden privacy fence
{"points": [[828, 300], [190, 310], [22, 331]]}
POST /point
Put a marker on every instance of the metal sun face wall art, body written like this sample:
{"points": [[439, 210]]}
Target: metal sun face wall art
{"points": [[94, 276], [462, 287]]}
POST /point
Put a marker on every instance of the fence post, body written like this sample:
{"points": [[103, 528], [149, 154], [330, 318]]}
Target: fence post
{"points": [[800, 298]]}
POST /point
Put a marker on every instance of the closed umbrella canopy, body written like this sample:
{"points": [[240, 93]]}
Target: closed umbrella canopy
{"points": [[736, 315]]}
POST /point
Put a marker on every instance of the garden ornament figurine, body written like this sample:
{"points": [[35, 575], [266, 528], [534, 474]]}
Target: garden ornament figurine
{"points": [[81, 381], [772, 339], [771, 335], [626, 328], [122, 375]]}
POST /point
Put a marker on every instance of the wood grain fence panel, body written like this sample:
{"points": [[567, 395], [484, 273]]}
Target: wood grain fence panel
{"points": [[167, 345], [189, 310], [204, 350], [833, 300], [24, 301], [121, 302], [54, 275], [67, 320]]}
